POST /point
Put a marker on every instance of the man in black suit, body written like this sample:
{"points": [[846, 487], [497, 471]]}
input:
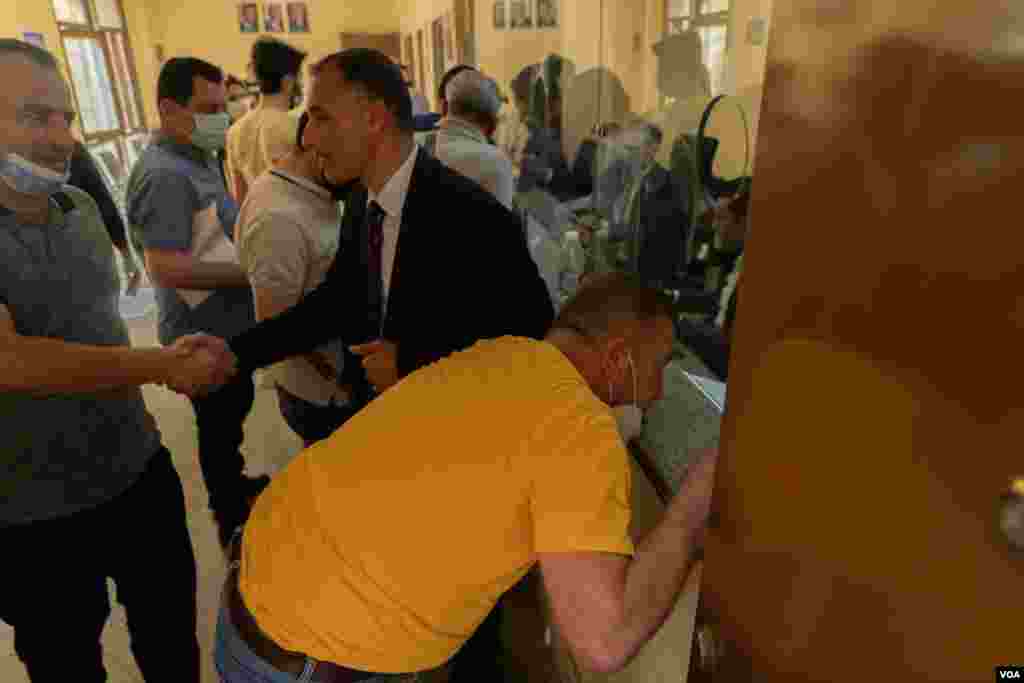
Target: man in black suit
{"points": [[428, 263], [650, 216]]}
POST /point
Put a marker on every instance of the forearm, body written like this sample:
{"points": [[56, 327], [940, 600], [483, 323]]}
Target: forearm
{"points": [[308, 325], [210, 276], [656, 577], [48, 366]]}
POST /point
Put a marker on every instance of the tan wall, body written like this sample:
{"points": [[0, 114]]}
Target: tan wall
{"points": [[139, 17], [37, 17], [209, 30]]}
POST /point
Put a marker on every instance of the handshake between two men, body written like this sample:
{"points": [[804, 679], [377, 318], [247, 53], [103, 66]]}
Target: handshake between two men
{"points": [[203, 363]]}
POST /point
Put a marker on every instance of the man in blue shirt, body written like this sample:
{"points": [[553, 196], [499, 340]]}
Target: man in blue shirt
{"points": [[87, 491], [181, 218]]}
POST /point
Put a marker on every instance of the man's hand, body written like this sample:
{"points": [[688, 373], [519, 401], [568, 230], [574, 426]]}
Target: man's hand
{"points": [[132, 273], [696, 489], [380, 360], [202, 363]]}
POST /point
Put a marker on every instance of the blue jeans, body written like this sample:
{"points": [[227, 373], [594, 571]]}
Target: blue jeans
{"points": [[236, 663]]}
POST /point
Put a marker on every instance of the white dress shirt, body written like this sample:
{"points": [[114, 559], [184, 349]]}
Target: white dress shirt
{"points": [[392, 199]]}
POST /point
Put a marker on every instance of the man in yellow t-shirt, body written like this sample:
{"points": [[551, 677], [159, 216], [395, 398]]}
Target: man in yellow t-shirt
{"points": [[381, 549], [266, 134]]}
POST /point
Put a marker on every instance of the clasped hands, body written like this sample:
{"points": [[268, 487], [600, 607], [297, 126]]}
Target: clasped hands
{"points": [[199, 364], [202, 363]]}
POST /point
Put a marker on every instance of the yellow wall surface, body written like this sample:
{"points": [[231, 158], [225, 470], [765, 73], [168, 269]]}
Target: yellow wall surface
{"points": [[36, 17], [209, 30]]}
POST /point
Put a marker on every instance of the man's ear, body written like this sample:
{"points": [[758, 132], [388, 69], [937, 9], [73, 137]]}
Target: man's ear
{"points": [[616, 350]]}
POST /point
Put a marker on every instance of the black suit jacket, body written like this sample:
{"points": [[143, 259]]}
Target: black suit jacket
{"points": [[661, 226], [462, 272]]}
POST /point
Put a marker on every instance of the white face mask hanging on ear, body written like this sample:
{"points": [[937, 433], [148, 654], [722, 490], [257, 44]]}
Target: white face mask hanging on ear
{"points": [[630, 417]]}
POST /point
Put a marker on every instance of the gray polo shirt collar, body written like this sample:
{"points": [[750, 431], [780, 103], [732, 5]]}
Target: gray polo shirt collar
{"points": [[189, 151]]}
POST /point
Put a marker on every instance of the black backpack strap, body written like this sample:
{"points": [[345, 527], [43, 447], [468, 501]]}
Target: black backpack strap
{"points": [[66, 203]]}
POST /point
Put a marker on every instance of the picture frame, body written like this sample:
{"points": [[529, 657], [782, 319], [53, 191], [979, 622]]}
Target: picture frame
{"points": [[249, 17], [298, 17], [547, 14], [520, 14], [273, 17], [500, 15]]}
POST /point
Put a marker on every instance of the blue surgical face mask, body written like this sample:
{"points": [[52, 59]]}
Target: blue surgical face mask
{"points": [[25, 177], [211, 131]]}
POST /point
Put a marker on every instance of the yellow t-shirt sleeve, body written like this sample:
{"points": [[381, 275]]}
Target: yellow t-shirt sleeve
{"points": [[580, 499]]}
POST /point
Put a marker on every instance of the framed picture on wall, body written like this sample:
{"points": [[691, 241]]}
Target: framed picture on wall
{"points": [[547, 13], [521, 14], [500, 20], [249, 17], [298, 17], [273, 17]]}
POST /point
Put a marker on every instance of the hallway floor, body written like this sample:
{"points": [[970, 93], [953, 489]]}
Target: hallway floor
{"points": [[269, 445]]}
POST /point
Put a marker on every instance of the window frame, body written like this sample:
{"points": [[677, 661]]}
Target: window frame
{"points": [[697, 17], [123, 94]]}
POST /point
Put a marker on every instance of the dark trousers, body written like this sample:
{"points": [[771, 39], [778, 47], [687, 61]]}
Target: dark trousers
{"points": [[54, 590], [310, 421], [481, 658], [219, 417]]}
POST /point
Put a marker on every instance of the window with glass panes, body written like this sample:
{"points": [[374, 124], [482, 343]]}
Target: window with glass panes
{"points": [[104, 83], [710, 18]]}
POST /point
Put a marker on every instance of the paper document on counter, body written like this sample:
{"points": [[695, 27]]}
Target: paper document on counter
{"points": [[713, 390]]}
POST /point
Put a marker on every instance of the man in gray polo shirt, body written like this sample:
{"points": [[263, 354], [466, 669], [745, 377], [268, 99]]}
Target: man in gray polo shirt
{"points": [[181, 218], [87, 491]]}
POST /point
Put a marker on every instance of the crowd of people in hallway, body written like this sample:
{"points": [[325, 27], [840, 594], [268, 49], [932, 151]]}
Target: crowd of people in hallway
{"points": [[439, 300]]}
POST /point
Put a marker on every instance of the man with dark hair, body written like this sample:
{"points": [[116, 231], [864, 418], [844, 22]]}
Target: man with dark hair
{"points": [[87, 491], [649, 216], [402, 293], [181, 218], [265, 135], [392, 594]]}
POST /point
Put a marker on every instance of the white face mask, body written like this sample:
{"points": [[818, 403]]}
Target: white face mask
{"points": [[630, 417]]}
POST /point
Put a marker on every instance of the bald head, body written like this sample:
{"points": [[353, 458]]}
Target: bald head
{"points": [[473, 97]]}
